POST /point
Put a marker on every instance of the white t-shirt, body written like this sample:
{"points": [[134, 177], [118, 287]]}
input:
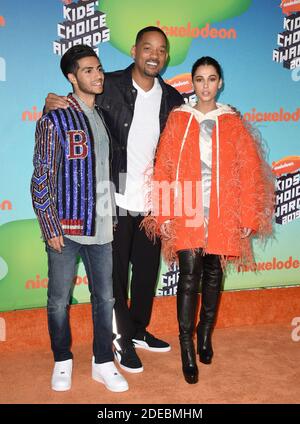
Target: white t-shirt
{"points": [[141, 145]]}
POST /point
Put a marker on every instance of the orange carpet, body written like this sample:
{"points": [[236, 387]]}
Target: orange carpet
{"points": [[256, 359], [27, 329], [257, 364]]}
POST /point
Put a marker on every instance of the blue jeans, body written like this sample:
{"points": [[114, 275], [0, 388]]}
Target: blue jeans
{"points": [[97, 260]]}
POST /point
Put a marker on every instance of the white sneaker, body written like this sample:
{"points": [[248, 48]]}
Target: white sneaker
{"points": [[62, 376], [108, 374]]}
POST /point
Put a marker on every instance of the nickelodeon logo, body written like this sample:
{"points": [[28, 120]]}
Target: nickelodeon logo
{"points": [[183, 84], [33, 115], [275, 264], [204, 32], [2, 21], [6, 205], [39, 283], [286, 165], [290, 6], [281, 115]]}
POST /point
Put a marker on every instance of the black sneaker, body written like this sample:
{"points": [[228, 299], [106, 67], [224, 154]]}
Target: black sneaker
{"points": [[149, 342], [128, 359]]}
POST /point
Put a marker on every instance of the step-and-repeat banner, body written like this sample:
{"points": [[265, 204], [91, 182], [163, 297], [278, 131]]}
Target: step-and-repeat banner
{"points": [[256, 41]]}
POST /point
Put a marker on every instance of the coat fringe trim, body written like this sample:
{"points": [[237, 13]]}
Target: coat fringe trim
{"points": [[264, 204]]}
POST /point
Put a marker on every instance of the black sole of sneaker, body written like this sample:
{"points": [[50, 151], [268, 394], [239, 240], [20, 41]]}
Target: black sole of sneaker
{"points": [[143, 345]]}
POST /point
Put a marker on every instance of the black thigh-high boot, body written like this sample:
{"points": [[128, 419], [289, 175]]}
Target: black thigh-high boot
{"points": [[211, 286], [187, 296]]}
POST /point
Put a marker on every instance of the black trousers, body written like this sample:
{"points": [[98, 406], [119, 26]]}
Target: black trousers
{"points": [[132, 246]]}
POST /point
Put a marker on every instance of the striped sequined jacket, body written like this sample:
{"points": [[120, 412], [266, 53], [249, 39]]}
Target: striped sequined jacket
{"points": [[63, 185]]}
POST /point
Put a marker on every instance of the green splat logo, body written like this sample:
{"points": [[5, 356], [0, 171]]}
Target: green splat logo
{"points": [[22, 255], [181, 20], [24, 269]]}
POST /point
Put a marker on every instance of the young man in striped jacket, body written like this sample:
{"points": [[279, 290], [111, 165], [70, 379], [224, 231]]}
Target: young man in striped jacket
{"points": [[72, 200]]}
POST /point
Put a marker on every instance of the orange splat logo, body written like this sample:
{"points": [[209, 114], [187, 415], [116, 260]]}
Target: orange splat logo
{"points": [[286, 165], [290, 6]]}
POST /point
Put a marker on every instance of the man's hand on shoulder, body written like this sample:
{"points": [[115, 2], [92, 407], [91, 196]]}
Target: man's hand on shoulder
{"points": [[53, 101]]}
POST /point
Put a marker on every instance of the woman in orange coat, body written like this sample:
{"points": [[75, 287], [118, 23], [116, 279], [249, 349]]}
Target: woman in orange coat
{"points": [[211, 191]]}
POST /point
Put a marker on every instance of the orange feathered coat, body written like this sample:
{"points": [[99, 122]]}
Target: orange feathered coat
{"points": [[241, 188]]}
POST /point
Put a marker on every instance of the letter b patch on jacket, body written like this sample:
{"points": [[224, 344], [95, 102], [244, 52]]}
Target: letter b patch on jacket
{"points": [[78, 148]]}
